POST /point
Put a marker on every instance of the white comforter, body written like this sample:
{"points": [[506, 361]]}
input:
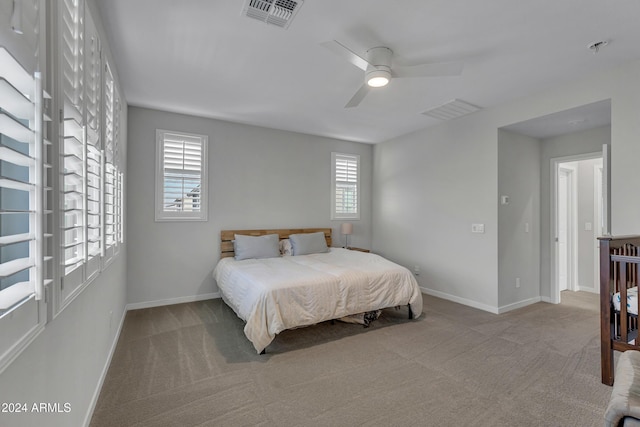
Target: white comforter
{"points": [[275, 294]]}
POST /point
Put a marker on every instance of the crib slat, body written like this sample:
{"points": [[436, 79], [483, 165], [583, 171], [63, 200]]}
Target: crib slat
{"points": [[623, 302]]}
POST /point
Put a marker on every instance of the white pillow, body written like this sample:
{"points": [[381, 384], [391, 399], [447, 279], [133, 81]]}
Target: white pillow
{"points": [[285, 247], [248, 247], [308, 243]]}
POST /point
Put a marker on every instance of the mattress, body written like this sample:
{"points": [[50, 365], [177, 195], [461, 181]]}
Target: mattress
{"points": [[632, 301], [275, 294]]}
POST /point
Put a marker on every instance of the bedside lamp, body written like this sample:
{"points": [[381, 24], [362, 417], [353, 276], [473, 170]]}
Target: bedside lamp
{"points": [[346, 229]]}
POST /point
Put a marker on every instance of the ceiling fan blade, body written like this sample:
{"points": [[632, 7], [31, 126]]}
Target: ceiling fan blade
{"points": [[343, 51], [358, 97], [429, 70]]}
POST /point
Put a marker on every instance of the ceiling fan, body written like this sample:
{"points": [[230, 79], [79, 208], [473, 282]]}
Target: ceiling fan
{"points": [[378, 70]]}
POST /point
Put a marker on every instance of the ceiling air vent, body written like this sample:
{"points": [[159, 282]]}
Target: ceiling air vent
{"points": [[275, 12], [452, 110]]}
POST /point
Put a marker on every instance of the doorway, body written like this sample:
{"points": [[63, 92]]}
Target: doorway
{"points": [[577, 220]]}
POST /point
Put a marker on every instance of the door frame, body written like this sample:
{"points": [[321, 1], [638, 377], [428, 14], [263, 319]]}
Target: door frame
{"points": [[570, 171], [553, 229], [600, 227]]}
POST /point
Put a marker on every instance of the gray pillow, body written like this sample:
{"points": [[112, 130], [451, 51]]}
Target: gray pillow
{"points": [[247, 247], [308, 243]]}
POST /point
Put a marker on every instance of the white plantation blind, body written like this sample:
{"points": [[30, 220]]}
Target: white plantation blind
{"points": [[25, 177], [110, 171], [109, 118], [94, 166], [345, 191], [21, 209], [94, 201], [119, 188], [110, 186], [93, 77], [74, 169], [72, 32], [120, 208], [181, 176]]}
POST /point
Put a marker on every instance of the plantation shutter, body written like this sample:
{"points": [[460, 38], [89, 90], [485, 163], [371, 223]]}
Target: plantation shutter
{"points": [[73, 147], [25, 175], [21, 209], [93, 149], [110, 176], [346, 186], [182, 194], [119, 189]]}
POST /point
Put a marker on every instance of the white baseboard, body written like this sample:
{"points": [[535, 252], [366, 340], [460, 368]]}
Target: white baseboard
{"points": [[548, 299], [459, 300], [519, 304], [170, 301], [103, 374]]}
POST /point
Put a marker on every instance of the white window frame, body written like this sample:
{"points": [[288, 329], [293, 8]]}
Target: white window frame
{"points": [[160, 213], [335, 158]]}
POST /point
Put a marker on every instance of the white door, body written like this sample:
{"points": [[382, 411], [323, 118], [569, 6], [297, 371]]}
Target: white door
{"points": [[564, 192]]}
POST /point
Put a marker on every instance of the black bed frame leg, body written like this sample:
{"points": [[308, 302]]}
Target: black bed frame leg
{"points": [[410, 312]]}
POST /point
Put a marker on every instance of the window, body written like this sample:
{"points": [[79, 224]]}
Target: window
{"points": [[94, 151], [74, 153], [89, 164], [23, 273], [110, 172], [54, 196], [345, 186], [181, 176]]}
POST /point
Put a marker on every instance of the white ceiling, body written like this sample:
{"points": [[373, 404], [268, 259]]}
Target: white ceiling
{"points": [[576, 119], [202, 57]]}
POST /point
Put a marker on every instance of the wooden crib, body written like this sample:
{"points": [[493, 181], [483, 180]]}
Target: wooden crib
{"points": [[619, 259]]}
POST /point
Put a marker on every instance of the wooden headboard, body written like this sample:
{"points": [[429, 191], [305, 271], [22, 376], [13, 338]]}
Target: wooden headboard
{"points": [[227, 236]]}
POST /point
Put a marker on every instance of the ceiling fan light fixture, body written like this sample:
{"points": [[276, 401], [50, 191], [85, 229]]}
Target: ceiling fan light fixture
{"points": [[378, 78]]}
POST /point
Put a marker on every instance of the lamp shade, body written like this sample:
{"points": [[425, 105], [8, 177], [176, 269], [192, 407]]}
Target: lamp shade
{"points": [[346, 228]]}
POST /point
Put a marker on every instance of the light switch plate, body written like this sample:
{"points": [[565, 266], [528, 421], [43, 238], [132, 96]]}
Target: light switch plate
{"points": [[477, 228]]}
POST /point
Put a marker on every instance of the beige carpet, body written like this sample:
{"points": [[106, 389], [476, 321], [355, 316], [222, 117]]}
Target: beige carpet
{"points": [[190, 365]]}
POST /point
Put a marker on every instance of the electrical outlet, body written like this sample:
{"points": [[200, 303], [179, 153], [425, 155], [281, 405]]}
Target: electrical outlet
{"points": [[416, 270], [517, 282], [110, 318]]}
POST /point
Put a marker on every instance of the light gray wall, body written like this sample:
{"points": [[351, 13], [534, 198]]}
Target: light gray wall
{"points": [[258, 178], [67, 360], [429, 188], [572, 144], [519, 220], [431, 185]]}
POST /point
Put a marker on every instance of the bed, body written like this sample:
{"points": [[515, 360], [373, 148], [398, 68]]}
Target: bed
{"points": [[274, 293], [619, 259]]}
